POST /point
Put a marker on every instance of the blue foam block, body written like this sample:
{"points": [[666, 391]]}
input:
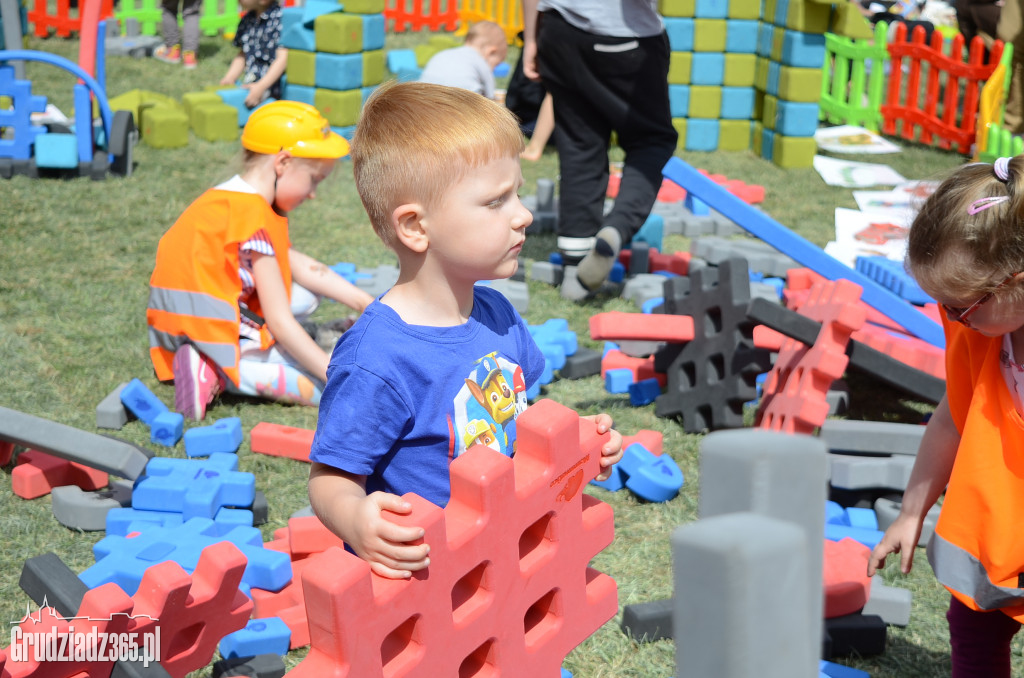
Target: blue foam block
{"points": [[225, 435], [533, 391], [141, 402], [869, 538], [124, 560], [774, 75], [891, 275], [121, 521], [566, 673], [737, 103], [712, 9], [373, 32], [260, 636], [346, 131], [299, 37], [618, 272], [167, 428], [649, 476], [56, 151], [615, 482], [609, 346], [306, 95], [679, 100], [651, 304], [501, 70], [802, 250], [652, 232], [644, 392], [804, 50], [367, 91], [680, 34], [555, 331], [236, 99], [708, 68], [291, 16], [339, 71], [796, 119], [194, 487], [401, 60], [862, 517], [830, 670], [701, 134], [313, 8], [618, 380], [84, 131], [764, 39], [741, 36]]}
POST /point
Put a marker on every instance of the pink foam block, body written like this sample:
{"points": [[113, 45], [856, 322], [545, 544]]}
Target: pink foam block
{"points": [[36, 473], [508, 590], [617, 325]]}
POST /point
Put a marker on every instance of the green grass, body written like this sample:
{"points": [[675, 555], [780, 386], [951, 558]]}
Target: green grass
{"points": [[74, 267]]}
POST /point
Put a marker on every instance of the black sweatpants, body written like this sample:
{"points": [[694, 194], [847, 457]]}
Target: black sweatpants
{"points": [[600, 84]]}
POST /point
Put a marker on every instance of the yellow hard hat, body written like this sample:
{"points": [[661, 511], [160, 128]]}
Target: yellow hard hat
{"points": [[295, 127]]}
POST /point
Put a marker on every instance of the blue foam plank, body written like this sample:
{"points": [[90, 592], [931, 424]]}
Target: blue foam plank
{"points": [[373, 32], [891, 275], [141, 402], [260, 636], [224, 435], [618, 380], [802, 250], [167, 428], [644, 392], [194, 487], [124, 560]]}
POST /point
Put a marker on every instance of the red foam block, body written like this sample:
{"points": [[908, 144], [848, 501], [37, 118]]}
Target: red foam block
{"points": [[36, 473], [281, 441]]}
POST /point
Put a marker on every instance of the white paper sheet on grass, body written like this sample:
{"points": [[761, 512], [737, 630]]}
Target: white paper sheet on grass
{"points": [[852, 174], [869, 234], [853, 139]]}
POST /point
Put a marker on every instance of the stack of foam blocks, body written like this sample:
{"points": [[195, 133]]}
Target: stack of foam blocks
{"points": [[335, 57]]}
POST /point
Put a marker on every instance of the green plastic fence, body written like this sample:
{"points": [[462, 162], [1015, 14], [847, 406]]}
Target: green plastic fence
{"points": [[146, 12], [1000, 141], [213, 18], [852, 90]]}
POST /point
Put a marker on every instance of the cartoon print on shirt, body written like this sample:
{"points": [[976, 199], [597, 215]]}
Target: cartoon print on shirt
{"points": [[486, 407]]}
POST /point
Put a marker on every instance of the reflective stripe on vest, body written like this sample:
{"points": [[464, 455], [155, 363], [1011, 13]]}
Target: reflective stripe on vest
{"points": [[222, 354], [198, 304], [960, 571]]}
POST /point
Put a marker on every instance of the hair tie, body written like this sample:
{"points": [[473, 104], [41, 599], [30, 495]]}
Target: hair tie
{"points": [[1001, 167], [984, 203]]}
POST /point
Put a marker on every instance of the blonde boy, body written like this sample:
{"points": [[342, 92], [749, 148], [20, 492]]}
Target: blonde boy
{"points": [[470, 66], [437, 362]]}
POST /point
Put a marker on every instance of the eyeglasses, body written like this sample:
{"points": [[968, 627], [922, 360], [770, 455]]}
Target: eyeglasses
{"points": [[960, 314]]}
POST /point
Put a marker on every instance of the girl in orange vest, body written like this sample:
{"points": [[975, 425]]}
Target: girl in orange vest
{"points": [[228, 284], [966, 249]]}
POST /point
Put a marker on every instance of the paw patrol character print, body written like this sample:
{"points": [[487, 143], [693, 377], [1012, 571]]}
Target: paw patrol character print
{"points": [[480, 432], [487, 405]]}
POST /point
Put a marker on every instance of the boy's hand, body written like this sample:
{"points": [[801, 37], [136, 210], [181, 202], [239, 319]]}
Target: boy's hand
{"points": [[611, 452], [255, 95], [226, 81], [901, 537], [382, 543]]}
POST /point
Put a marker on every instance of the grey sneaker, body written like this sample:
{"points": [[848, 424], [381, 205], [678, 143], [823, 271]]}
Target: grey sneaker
{"points": [[596, 266]]}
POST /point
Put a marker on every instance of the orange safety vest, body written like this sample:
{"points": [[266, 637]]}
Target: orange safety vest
{"points": [[978, 550], [193, 293]]}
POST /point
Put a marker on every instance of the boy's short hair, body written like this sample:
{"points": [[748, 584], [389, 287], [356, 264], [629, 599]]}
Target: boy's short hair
{"points": [[485, 32], [415, 139]]}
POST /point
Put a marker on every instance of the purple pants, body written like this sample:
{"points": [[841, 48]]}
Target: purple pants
{"points": [[980, 641]]}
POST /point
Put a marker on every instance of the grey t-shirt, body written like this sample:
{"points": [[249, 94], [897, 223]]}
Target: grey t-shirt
{"points": [[618, 19], [462, 67]]}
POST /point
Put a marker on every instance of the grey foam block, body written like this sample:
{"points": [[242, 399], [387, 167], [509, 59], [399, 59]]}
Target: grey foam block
{"points": [[307, 510], [838, 397], [860, 634], [640, 288], [780, 475], [546, 272], [517, 293], [639, 348], [887, 511], [101, 452], [648, 622], [890, 603], [585, 362], [81, 510], [742, 594], [761, 257], [260, 509], [260, 666], [137, 669], [871, 437], [46, 579], [111, 412], [851, 472], [380, 281]]}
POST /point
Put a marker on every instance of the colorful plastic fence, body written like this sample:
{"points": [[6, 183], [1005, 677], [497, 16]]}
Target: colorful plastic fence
{"points": [[506, 13], [146, 12], [994, 141], [415, 15], [219, 15], [61, 21], [852, 91], [950, 89]]}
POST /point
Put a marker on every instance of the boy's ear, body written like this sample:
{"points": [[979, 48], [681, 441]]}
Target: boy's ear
{"points": [[282, 159], [407, 221]]}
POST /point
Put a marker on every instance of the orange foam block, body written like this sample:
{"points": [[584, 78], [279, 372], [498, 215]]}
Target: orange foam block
{"points": [[36, 473], [651, 440], [846, 583], [618, 325], [677, 262], [281, 441], [508, 591]]}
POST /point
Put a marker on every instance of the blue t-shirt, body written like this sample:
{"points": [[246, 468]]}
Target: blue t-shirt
{"points": [[403, 400]]}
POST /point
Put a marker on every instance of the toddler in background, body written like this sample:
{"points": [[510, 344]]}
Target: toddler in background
{"points": [[228, 285], [179, 45], [472, 65], [261, 61]]}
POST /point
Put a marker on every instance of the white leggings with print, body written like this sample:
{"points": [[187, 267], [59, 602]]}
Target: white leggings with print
{"points": [[273, 373]]}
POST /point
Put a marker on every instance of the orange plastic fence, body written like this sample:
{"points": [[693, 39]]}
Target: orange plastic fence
{"points": [[62, 22], [950, 88], [415, 15]]}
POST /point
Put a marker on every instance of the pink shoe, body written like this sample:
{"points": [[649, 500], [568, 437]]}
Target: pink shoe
{"points": [[196, 382]]}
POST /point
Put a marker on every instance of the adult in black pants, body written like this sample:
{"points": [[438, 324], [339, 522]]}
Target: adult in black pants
{"points": [[606, 65]]}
